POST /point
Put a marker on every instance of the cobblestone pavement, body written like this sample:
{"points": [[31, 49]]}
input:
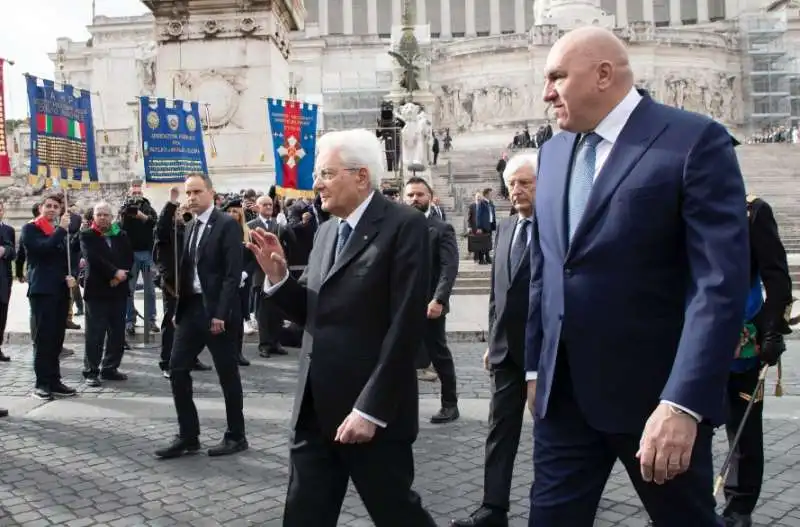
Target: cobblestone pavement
{"points": [[60, 468]]}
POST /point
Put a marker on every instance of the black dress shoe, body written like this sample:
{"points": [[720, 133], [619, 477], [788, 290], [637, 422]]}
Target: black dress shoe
{"points": [[3, 357], [734, 519], [445, 415], [228, 447], [278, 350], [178, 448], [62, 390], [43, 393], [113, 375], [3, 412], [483, 517], [199, 366], [242, 361]]}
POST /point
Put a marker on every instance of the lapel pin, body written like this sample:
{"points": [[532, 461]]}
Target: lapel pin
{"points": [[365, 236]]}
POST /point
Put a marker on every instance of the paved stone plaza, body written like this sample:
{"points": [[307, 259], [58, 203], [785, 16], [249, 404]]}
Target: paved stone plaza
{"points": [[88, 460]]}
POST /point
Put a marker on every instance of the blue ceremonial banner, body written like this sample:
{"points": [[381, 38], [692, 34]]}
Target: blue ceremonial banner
{"points": [[172, 140], [62, 135], [294, 143]]}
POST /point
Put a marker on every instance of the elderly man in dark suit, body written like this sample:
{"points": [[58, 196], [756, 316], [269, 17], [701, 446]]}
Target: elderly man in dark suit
{"points": [[640, 273], [45, 240], [505, 356], [444, 268], [109, 258], [208, 314], [269, 318], [362, 301], [8, 253]]}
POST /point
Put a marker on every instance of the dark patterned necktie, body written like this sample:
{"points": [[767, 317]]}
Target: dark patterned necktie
{"points": [[344, 233], [194, 242], [520, 244]]}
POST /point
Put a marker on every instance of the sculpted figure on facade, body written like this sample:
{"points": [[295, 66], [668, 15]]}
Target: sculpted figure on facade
{"points": [[221, 90], [716, 94], [426, 134], [413, 141], [146, 67]]}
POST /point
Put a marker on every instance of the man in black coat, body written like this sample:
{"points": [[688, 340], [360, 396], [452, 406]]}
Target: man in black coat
{"points": [[444, 269], [361, 302], [169, 238], [269, 318], [45, 240], [8, 253], [208, 310], [109, 258], [505, 360]]}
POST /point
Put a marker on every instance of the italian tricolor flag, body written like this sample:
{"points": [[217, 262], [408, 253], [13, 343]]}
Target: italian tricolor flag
{"points": [[60, 126]]}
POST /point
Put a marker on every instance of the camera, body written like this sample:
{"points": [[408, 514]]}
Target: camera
{"points": [[131, 206], [187, 217]]}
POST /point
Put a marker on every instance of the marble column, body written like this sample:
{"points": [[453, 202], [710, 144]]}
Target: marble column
{"points": [[469, 22], [447, 31], [347, 17], [519, 16], [731, 8], [372, 17], [494, 17], [422, 15], [397, 12], [323, 17], [648, 13], [675, 13], [702, 11], [622, 13]]}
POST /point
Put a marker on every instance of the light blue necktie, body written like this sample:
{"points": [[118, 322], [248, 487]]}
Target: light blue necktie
{"points": [[344, 233], [580, 185]]}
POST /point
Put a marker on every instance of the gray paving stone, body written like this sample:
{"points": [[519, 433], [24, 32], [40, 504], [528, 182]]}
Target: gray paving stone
{"points": [[100, 470]]}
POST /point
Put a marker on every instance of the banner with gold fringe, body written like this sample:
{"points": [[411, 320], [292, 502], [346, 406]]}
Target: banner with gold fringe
{"points": [[62, 135], [294, 143]]}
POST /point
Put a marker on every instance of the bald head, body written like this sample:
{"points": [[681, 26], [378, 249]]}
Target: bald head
{"points": [[587, 74]]}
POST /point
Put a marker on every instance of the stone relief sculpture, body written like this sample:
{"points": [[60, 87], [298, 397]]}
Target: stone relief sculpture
{"points": [[426, 134], [145, 56], [222, 90], [716, 94], [412, 139], [466, 108]]}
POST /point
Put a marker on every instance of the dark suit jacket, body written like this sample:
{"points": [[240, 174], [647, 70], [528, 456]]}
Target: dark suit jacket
{"points": [[167, 238], [508, 299], [444, 260], [8, 241], [47, 260], [648, 298], [102, 263], [363, 319], [219, 268], [480, 216], [286, 237]]}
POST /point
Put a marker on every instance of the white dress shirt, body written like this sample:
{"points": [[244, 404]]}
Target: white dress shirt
{"points": [[203, 218], [609, 129], [352, 220]]}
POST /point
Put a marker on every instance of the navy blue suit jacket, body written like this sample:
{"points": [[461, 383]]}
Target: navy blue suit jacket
{"points": [[47, 260], [647, 301]]}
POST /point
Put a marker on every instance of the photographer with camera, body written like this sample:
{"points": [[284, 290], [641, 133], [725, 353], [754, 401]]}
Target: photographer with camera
{"points": [[138, 219], [169, 236]]}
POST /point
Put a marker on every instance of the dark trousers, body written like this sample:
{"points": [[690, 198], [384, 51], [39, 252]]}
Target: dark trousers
{"points": [[245, 294], [435, 346], [105, 324], [270, 322], [435, 157], [48, 326], [169, 304], [506, 411], [192, 335], [572, 461], [3, 320], [77, 298], [320, 469], [743, 486]]}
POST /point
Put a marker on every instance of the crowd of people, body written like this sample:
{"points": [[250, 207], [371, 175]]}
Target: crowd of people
{"points": [[626, 310]]}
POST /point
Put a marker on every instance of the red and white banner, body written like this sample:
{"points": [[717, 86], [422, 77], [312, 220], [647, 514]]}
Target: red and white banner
{"points": [[5, 161]]}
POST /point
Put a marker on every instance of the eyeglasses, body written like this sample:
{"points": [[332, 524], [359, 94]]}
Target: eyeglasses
{"points": [[328, 174]]}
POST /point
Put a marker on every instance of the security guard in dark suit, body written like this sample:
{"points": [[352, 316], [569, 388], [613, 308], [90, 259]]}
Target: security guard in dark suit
{"points": [[766, 323]]}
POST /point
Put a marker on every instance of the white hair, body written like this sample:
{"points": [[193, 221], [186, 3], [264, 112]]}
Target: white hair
{"points": [[357, 148], [102, 205], [519, 161]]}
